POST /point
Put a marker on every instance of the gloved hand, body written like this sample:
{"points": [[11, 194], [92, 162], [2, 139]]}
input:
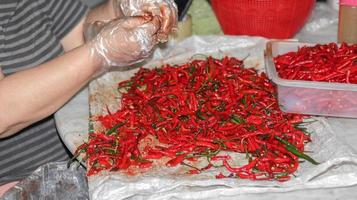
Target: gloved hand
{"points": [[122, 42], [166, 10]]}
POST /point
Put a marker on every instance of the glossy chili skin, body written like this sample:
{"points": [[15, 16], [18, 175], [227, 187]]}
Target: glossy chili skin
{"points": [[322, 62], [198, 110]]}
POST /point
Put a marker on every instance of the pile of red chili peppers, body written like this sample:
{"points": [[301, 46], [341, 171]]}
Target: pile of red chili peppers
{"points": [[199, 109], [327, 63]]}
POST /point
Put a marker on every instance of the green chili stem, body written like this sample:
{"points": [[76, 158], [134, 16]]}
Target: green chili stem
{"points": [[188, 165], [200, 116]]}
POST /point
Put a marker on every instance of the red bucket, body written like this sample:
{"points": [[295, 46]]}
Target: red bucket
{"points": [[278, 19]]}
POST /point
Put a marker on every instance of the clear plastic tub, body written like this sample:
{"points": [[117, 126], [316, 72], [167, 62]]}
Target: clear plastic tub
{"points": [[310, 97]]}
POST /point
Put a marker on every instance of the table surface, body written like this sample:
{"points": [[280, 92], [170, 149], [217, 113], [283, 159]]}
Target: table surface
{"points": [[72, 121]]}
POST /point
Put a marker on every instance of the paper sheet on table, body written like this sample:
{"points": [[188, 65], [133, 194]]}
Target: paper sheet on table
{"points": [[338, 163]]}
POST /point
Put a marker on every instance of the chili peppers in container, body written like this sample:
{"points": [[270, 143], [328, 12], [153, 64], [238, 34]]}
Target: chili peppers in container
{"points": [[324, 63], [210, 109], [314, 79]]}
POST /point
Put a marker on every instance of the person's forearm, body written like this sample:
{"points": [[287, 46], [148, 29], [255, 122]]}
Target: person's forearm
{"points": [[103, 12], [31, 95]]}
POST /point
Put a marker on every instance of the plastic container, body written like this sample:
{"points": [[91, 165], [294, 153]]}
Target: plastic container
{"points": [[310, 97], [268, 18], [184, 29], [347, 25]]}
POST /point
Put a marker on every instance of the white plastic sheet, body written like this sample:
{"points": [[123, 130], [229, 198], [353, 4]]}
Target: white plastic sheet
{"points": [[338, 162], [52, 181]]}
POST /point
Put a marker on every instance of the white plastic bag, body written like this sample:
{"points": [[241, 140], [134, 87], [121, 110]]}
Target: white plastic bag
{"points": [[338, 162]]}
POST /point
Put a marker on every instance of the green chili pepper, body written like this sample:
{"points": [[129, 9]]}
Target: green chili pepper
{"points": [[191, 69], [220, 143], [199, 114], [291, 148], [91, 126], [252, 128], [124, 88], [267, 111], [244, 100], [114, 128], [110, 151], [302, 129], [142, 87], [236, 119]]}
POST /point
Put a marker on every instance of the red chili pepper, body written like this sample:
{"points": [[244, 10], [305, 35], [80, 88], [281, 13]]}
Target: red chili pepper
{"points": [[255, 120], [175, 161], [194, 171], [207, 144], [192, 111], [145, 165], [220, 176], [215, 158], [283, 178], [239, 169], [154, 156]]}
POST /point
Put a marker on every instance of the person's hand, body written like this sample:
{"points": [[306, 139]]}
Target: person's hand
{"points": [[166, 10], [124, 41]]}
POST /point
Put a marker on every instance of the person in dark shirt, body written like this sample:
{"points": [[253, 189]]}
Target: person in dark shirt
{"points": [[45, 61]]}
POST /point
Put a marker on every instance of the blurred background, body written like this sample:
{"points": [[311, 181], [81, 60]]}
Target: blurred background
{"points": [[95, 2], [281, 19]]}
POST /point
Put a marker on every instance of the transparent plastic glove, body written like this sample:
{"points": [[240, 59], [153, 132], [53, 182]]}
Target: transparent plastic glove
{"points": [[166, 10], [122, 42]]}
